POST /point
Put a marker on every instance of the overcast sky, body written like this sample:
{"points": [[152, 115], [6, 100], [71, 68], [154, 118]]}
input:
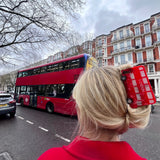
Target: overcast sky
{"points": [[102, 16]]}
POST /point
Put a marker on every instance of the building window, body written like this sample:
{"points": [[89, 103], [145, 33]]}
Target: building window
{"points": [[139, 57], [123, 61], [138, 43], [158, 22], [122, 46], [99, 42], [151, 68], [130, 57], [105, 52], [128, 44], [150, 55], [114, 37], [148, 41], [158, 36], [121, 34], [100, 52], [115, 48], [146, 28], [137, 31], [127, 32], [100, 62], [116, 60]]}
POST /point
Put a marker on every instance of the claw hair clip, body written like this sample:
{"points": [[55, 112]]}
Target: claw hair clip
{"points": [[138, 87]]}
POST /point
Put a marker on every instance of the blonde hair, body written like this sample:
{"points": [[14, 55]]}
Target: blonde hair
{"points": [[101, 100]]}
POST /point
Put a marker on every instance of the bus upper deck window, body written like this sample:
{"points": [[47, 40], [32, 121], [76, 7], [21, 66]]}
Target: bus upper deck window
{"points": [[74, 64], [30, 72], [60, 66], [20, 74], [55, 67], [36, 71], [49, 68], [25, 74], [66, 65], [43, 69]]}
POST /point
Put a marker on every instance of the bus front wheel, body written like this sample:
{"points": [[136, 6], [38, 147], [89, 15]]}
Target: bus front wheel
{"points": [[50, 108]]}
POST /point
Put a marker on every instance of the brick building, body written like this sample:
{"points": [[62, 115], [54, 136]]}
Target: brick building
{"points": [[138, 44]]}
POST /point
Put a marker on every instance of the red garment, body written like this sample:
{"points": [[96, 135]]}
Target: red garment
{"points": [[84, 149]]}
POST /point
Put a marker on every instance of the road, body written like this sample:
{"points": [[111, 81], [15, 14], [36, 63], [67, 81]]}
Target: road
{"points": [[32, 132]]}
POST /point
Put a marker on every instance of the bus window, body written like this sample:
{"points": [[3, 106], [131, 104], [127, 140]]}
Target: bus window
{"points": [[36, 71], [43, 69], [61, 66], [23, 90], [20, 74], [74, 63], [82, 62], [28, 90], [55, 67], [49, 68], [61, 91], [18, 90], [41, 90], [48, 91], [66, 65], [52, 68], [54, 90], [30, 72], [35, 89], [25, 74], [68, 90]]}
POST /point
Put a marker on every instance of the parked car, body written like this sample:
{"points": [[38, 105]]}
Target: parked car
{"points": [[7, 104]]}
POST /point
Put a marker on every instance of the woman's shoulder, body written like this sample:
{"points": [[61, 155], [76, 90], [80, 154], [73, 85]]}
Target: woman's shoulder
{"points": [[81, 148], [56, 154], [130, 152]]}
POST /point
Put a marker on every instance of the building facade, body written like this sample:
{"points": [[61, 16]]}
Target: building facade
{"points": [[138, 44]]}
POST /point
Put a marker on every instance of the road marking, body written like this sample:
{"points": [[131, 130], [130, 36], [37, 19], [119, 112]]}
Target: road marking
{"points": [[29, 122], [61, 137], [44, 129], [5, 156], [20, 117]]}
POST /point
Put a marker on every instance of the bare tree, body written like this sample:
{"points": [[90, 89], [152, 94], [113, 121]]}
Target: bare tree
{"points": [[75, 38], [28, 23]]}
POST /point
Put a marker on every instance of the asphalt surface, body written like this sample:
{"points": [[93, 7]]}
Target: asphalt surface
{"points": [[33, 131]]}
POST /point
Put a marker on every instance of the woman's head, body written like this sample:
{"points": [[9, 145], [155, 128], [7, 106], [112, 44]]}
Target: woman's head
{"points": [[101, 100]]}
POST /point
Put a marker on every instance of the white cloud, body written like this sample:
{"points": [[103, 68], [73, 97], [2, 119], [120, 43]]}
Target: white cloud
{"points": [[103, 16]]}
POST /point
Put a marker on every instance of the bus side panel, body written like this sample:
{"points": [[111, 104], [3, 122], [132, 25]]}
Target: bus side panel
{"points": [[25, 98], [65, 106], [61, 105], [62, 77], [41, 102]]}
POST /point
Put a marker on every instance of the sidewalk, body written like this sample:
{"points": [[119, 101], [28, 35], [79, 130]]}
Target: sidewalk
{"points": [[157, 103]]}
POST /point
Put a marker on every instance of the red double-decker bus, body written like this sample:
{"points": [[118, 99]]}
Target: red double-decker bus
{"points": [[49, 86]]}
